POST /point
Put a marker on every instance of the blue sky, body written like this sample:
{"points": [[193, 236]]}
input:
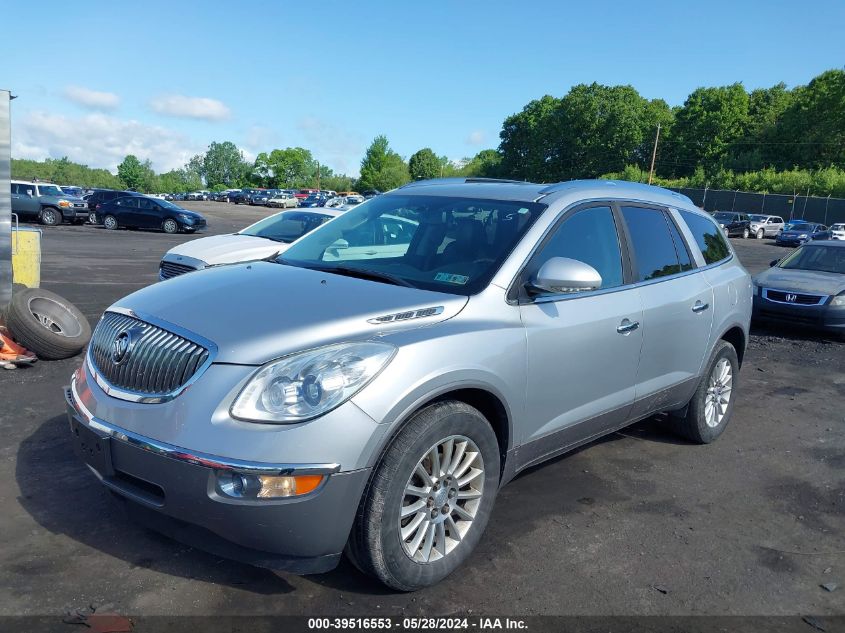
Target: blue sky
{"points": [[163, 79]]}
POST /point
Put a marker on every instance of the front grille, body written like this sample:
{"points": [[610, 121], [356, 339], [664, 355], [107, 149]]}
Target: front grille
{"points": [[157, 362], [166, 270], [794, 298]]}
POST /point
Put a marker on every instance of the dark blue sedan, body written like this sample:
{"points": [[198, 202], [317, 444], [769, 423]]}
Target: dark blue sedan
{"points": [[801, 233]]}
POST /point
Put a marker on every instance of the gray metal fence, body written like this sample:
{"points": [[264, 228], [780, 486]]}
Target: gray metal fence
{"points": [[812, 208]]}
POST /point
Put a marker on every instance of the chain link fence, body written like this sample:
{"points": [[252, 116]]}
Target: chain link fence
{"points": [[811, 208]]}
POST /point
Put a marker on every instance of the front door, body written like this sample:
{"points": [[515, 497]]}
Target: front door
{"points": [[583, 348]]}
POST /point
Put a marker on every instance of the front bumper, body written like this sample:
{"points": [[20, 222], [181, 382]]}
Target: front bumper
{"points": [[174, 491], [824, 317]]}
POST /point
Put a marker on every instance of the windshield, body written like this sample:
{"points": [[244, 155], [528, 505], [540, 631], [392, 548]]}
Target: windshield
{"points": [[799, 226], [758, 218], [287, 226], [828, 259], [50, 190], [437, 243], [721, 215], [838, 227], [170, 205]]}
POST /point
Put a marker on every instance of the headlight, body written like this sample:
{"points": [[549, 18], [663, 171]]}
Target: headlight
{"points": [[309, 384], [803, 236], [64, 203], [838, 300], [187, 219]]}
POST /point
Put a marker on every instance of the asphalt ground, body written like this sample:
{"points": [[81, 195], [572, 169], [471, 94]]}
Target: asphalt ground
{"points": [[639, 522]]}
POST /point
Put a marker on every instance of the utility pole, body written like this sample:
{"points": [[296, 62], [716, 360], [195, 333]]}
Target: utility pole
{"points": [[653, 155], [318, 174]]}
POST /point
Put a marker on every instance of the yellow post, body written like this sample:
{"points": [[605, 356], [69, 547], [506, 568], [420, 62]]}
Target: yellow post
{"points": [[26, 257]]}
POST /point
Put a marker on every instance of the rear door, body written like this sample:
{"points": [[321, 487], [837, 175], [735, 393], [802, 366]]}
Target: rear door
{"points": [[677, 307], [24, 200], [582, 348], [125, 210], [773, 226]]}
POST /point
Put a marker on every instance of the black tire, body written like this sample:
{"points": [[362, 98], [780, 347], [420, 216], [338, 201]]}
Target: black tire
{"points": [[47, 324], [375, 545], [110, 222], [760, 234], [92, 218], [170, 226], [693, 424], [50, 216]]}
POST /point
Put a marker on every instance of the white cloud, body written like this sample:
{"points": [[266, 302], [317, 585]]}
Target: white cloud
{"points": [[336, 147], [191, 107], [476, 137], [92, 98], [99, 140]]}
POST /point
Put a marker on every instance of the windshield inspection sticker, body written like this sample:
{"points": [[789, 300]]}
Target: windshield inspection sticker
{"points": [[451, 279]]}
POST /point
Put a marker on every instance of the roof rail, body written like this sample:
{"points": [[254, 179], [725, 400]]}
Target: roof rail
{"points": [[460, 180], [560, 186]]}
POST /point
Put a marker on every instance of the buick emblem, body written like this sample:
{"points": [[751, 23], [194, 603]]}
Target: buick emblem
{"points": [[791, 298], [121, 346]]}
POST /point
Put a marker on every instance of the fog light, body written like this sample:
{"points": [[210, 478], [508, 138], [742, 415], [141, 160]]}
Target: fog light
{"points": [[272, 486]]}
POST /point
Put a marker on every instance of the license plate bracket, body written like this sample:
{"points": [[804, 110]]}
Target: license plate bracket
{"points": [[92, 447]]}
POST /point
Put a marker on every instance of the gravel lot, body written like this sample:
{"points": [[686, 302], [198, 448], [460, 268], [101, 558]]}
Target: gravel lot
{"points": [[637, 523]]}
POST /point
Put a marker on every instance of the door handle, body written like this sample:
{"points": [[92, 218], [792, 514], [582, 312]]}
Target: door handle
{"points": [[700, 307], [627, 326]]}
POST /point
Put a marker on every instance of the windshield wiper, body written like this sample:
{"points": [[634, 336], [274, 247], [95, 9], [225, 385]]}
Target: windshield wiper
{"points": [[363, 273]]}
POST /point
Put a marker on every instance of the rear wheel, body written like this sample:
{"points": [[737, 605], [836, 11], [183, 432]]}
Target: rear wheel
{"points": [[50, 216], [711, 407], [760, 234], [429, 500], [110, 222], [170, 226]]}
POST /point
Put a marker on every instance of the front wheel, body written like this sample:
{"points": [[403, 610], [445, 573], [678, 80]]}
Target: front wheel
{"points": [[745, 233], [170, 226], [711, 407], [429, 499], [110, 222], [760, 234], [50, 217]]}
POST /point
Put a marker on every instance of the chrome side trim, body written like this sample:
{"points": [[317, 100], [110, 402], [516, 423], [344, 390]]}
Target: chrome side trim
{"points": [[143, 398], [191, 457], [821, 298]]}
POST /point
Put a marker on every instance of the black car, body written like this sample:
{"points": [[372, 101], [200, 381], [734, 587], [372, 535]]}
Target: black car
{"points": [[734, 223], [101, 196], [148, 213], [370, 193], [242, 196]]}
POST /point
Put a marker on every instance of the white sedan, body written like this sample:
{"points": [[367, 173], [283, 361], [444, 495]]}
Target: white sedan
{"points": [[271, 235]]}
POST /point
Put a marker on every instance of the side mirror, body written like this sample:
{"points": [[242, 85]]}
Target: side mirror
{"points": [[773, 263], [563, 275]]}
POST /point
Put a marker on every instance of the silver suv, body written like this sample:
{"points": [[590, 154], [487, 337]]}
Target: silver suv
{"points": [[371, 389]]}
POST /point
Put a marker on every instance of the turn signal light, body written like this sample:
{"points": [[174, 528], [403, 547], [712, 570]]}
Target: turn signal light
{"points": [[272, 487]]}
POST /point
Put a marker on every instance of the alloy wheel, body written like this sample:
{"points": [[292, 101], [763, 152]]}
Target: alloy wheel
{"points": [[441, 499], [718, 393]]}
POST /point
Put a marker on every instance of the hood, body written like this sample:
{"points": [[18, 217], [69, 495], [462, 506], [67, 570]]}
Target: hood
{"points": [[260, 311], [228, 249], [812, 281], [794, 234]]}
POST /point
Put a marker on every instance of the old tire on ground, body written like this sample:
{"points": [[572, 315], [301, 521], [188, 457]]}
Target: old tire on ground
{"points": [[170, 226], [760, 234], [50, 216], [47, 324], [711, 407], [110, 222], [429, 499]]}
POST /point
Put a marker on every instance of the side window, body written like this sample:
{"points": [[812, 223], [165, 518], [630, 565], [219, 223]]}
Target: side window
{"points": [[145, 203], [708, 237], [15, 188], [589, 236], [778, 220], [654, 249], [680, 247]]}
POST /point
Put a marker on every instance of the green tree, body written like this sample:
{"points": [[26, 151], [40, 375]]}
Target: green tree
{"points": [[224, 164], [382, 168], [485, 164], [425, 164], [134, 174], [289, 168], [706, 127]]}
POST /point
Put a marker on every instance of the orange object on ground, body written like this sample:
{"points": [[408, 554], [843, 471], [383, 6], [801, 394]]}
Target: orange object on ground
{"points": [[11, 352]]}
